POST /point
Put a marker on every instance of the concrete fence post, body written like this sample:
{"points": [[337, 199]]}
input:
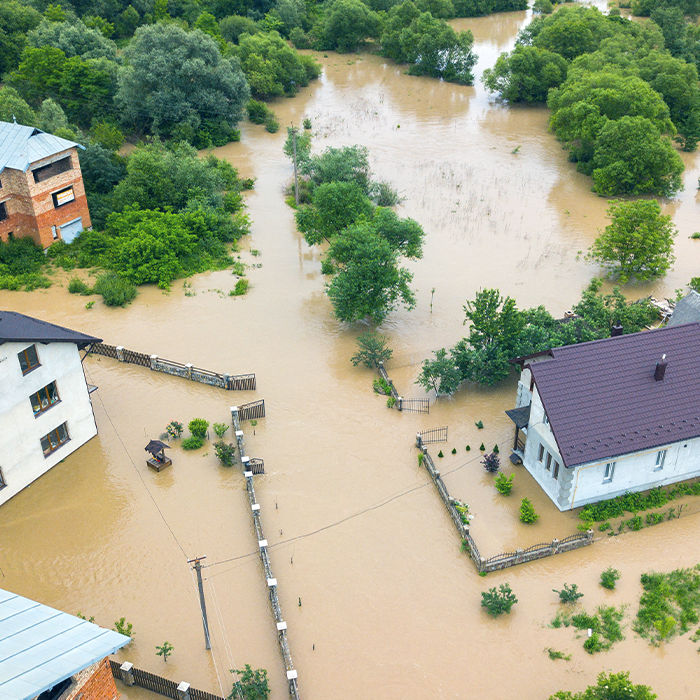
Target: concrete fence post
{"points": [[589, 534], [227, 381], [188, 369], [519, 554], [183, 691], [127, 673], [120, 353], [399, 403], [555, 546], [154, 359]]}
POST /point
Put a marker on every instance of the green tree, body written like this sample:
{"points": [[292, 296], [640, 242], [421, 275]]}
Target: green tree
{"points": [[13, 106], [441, 374], [347, 24], [632, 158], [252, 684], [638, 242], [16, 20], [74, 39], [336, 205], [372, 350], [173, 77], [526, 74], [368, 281], [273, 68], [615, 686], [347, 164]]}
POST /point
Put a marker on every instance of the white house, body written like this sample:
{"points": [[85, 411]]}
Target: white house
{"points": [[598, 419], [45, 407]]}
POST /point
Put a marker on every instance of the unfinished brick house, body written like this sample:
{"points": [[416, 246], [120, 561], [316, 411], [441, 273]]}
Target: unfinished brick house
{"points": [[41, 187]]}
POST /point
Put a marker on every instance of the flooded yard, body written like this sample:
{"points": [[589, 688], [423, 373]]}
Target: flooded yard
{"points": [[379, 600]]}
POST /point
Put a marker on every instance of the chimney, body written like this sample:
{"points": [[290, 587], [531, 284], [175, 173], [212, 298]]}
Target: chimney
{"points": [[616, 330], [660, 370]]}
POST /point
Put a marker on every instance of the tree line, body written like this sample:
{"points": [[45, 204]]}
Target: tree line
{"points": [[620, 92]]}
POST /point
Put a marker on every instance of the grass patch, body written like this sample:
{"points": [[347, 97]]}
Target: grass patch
{"points": [[193, 442], [669, 605], [114, 289], [605, 624], [554, 654], [240, 289], [381, 386]]}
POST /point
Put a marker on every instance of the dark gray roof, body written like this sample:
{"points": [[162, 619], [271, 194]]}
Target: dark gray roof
{"points": [[21, 145], [520, 416], [602, 400], [18, 328], [687, 310]]}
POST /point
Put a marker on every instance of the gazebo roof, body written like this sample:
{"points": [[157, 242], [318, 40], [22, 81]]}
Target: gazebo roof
{"points": [[156, 446]]}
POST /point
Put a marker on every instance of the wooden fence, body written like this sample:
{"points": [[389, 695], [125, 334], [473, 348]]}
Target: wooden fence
{"points": [[157, 684], [241, 382], [505, 559]]}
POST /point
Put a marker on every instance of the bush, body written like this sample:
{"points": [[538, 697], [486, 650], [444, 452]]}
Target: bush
{"points": [[381, 386], [225, 452], [307, 126], [609, 578], [482, 447], [498, 601], [78, 286], [527, 512], [258, 112], [240, 289], [271, 124], [198, 427], [569, 594], [491, 462], [454, 450], [192, 443], [220, 429], [468, 448], [440, 455], [504, 484], [174, 429], [114, 289]]}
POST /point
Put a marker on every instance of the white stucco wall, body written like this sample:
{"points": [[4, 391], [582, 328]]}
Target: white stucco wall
{"points": [[21, 456], [636, 472], [580, 485]]}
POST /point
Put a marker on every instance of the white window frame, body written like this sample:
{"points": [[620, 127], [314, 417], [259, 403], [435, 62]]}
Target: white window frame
{"points": [[660, 460], [548, 462], [609, 472], [540, 457], [555, 471]]}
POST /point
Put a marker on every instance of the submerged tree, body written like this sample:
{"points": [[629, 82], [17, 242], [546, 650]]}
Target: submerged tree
{"points": [[615, 686], [638, 242], [372, 350]]}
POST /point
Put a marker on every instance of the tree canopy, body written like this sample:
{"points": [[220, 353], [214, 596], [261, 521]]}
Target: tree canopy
{"points": [[614, 686], [638, 242], [173, 77]]}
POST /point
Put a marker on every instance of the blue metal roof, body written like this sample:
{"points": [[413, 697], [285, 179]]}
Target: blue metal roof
{"points": [[41, 646], [20, 146]]}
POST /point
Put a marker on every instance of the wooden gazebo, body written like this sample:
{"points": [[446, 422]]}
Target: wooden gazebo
{"points": [[158, 460]]}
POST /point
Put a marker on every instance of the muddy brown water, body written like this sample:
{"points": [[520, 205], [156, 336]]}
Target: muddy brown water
{"points": [[389, 604]]}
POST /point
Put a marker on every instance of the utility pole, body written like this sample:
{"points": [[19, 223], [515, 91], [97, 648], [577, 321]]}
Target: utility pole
{"points": [[198, 568], [296, 177]]}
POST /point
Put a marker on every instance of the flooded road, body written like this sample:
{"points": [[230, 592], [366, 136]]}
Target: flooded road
{"points": [[379, 600]]}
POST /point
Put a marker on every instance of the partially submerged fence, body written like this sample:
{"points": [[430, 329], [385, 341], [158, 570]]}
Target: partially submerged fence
{"points": [[239, 382], [402, 404], [505, 559], [280, 622], [163, 686], [426, 437]]}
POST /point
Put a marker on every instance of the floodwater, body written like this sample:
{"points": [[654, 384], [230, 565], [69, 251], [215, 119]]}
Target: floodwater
{"points": [[379, 600]]}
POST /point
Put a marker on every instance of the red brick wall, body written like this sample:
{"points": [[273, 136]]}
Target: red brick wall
{"points": [[94, 683], [30, 207]]}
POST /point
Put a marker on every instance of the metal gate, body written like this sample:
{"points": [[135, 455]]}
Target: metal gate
{"points": [[415, 405], [426, 437], [249, 411]]}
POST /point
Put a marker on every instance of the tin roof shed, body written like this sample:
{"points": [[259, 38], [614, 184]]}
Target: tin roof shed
{"points": [[41, 647]]}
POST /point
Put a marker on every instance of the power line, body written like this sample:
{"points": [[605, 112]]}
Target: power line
{"points": [[376, 506], [160, 512]]}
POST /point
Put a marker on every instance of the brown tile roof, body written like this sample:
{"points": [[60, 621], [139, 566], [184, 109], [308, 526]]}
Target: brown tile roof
{"points": [[602, 400]]}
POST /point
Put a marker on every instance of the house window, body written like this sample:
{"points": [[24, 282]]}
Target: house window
{"points": [[2, 480], [545, 419], [62, 197], [660, 459], [55, 168], [28, 359], [609, 471], [54, 439], [555, 473], [548, 464], [44, 399], [540, 457], [3, 211], [532, 381]]}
